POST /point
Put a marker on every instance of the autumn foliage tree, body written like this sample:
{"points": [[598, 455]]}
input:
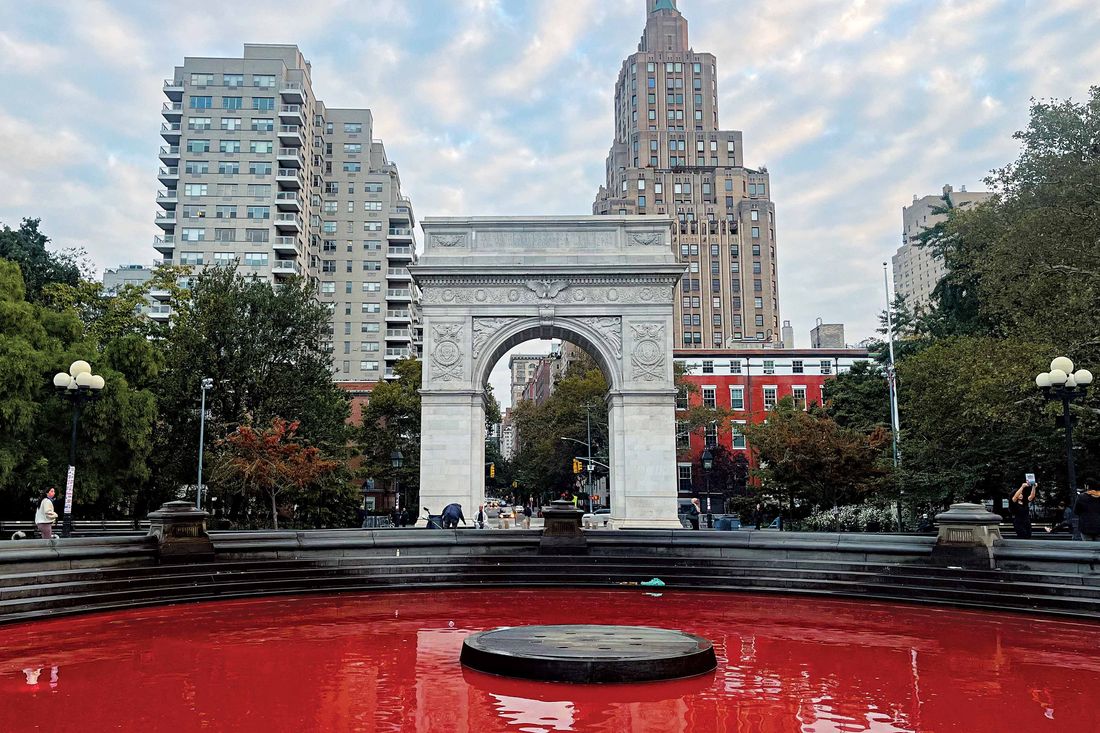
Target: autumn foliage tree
{"points": [[271, 461]]}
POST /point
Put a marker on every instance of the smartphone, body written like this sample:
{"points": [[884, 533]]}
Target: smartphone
{"points": [[1029, 478]]}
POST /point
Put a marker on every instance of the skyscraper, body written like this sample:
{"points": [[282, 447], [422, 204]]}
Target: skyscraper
{"points": [[257, 172], [670, 158]]}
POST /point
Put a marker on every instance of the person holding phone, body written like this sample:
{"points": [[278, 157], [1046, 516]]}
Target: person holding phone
{"points": [[1020, 506]]}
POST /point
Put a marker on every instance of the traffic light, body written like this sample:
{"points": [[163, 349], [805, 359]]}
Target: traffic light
{"points": [[515, 484], [577, 467], [492, 470]]}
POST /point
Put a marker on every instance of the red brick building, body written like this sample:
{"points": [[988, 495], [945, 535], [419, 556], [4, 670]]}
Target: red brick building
{"points": [[749, 382]]}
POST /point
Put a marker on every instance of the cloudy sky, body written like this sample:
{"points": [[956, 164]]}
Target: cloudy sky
{"points": [[504, 107]]}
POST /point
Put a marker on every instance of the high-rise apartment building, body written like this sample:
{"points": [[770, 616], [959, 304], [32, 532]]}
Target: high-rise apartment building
{"points": [[257, 172], [670, 158], [917, 270]]}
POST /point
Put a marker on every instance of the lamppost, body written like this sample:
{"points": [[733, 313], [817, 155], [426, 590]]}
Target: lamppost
{"points": [[207, 383], [1063, 384], [708, 463], [78, 386], [396, 460]]}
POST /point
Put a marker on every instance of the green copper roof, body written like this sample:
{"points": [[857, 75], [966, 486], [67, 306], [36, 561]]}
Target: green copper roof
{"points": [[663, 5]]}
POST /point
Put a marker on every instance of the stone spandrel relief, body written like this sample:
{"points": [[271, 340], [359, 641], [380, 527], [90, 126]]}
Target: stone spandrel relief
{"points": [[484, 328], [610, 328], [446, 352], [648, 356]]}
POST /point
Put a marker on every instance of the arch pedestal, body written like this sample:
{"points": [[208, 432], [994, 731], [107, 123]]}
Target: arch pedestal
{"points": [[602, 283]]}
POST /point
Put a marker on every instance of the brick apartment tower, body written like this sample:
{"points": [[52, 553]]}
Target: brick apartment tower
{"points": [[670, 158], [258, 172]]}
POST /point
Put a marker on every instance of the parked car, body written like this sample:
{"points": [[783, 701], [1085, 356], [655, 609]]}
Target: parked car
{"points": [[599, 518], [506, 512]]}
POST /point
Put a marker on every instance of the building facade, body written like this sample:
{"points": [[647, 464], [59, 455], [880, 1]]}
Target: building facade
{"points": [[749, 383], [114, 279], [258, 173], [916, 270], [671, 158], [522, 368]]}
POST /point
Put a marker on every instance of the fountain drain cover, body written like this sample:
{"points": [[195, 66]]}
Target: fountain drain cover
{"points": [[589, 653]]}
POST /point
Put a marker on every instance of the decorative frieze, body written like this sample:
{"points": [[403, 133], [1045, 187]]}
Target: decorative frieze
{"points": [[447, 352]]}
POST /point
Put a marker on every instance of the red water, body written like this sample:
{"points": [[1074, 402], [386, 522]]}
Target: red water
{"points": [[389, 662]]}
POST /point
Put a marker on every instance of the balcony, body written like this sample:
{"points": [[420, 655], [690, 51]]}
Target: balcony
{"points": [[285, 245], [289, 178], [173, 89], [395, 354], [167, 198], [400, 253], [292, 135], [170, 154], [285, 267], [398, 294], [166, 220], [398, 273], [400, 316], [172, 111], [291, 157], [292, 113], [170, 131], [159, 312], [293, 91], [288, 201], [400, 232], [398, 334], [168, 174], [165, 245], [288, 221]]}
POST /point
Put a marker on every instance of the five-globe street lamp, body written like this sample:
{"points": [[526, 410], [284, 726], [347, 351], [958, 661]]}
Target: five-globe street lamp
{"points": [[707, 459], [1063, 384], [78, 386], [206, 384]]}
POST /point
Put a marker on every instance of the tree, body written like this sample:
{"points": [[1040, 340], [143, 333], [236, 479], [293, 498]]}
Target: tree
{"points": [[26, 246], [691, 414], [859, 398], [391, 421], [263, 347], [812, 460], [271, 461]]}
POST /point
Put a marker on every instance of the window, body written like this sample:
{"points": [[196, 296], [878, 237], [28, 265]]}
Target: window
{"points": [[260, 146], [372, 188], [737, 398], [368, 366], [223, 259], [769, 398], [372, 266], [202, 80], [259, 190], [328, 288], [257, 236], [202, 102], [370, 328], [681, 399], [199, 123], [196, 167], [264, 81], [231, 123], [231, 102], [353, 127], [708, 366], [756, 231], [711, 435], [255, 259], [229, 167], [198, 146], [796, 366], [194, 189], [229, 146], [738, 435], [799, 396], [259, 168], [190, 258], [262, 124], [372, 206], [353, 167], [372, 308], [709, 398], [684, 475], [233, 80], [353, 148], [372, 287], [368, 346], [225, 235], [759, 320], [754, 215], [259, 212], [826, 366], [263, 104], [372, 226], [769, 366]]}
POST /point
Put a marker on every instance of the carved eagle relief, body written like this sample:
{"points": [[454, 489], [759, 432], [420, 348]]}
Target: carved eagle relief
{"points": [[648, 239], [546, 289]]}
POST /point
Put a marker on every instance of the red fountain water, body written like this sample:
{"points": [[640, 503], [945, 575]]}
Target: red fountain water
{"points": [[389, 662]]}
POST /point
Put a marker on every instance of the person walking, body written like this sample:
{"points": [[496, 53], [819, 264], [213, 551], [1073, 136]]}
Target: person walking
{"points": [[452, 514], [527, 515], [1087, 509], [1020, 506], [480, 517], [45, 516], [693, 513]]}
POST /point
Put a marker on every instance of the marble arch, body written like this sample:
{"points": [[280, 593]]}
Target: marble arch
{"points": [[604, 283]]}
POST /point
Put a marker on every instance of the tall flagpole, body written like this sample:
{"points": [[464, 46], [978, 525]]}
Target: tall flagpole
{"points": [[891, 376]]}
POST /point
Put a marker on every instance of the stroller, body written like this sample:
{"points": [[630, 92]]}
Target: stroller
{"points": [[435, 521]]}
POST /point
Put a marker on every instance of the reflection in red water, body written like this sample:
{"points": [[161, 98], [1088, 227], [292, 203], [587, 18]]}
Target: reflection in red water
{"points": [[389, 662]]}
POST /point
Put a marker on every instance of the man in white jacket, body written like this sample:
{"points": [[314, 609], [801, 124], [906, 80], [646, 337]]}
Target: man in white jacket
{"points": [[46, 515]]}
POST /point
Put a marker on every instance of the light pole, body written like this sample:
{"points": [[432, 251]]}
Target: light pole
{"points": [[1062, 384], [708, 463], [892, 381], [396, 460], [79, 386], [207, 383]]}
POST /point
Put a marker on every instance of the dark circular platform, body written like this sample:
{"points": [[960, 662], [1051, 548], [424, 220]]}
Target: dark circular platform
{"points": [[588, 654]]}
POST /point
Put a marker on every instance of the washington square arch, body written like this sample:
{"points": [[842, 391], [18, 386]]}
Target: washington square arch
{"points": [[603, 283]]}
